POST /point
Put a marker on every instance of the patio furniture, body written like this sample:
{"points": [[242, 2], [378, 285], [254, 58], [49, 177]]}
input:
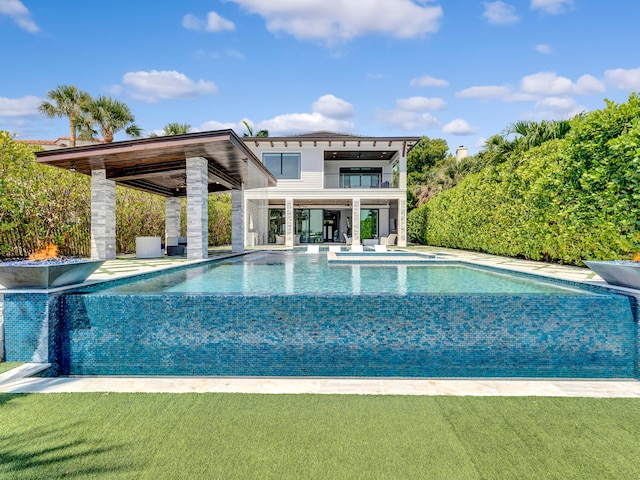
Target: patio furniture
{"points": [[335, 248], [280, 239], [149, 247], [347, 239], [389, 240], [313, 248], [380, 248], [357, 248], [367, 242]]}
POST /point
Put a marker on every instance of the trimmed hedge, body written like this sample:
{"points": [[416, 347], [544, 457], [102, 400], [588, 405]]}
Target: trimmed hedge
{"points": [[567, 200], [40, 204]]}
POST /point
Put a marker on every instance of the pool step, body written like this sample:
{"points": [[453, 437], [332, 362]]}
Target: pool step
{"points": [[25, 370]]}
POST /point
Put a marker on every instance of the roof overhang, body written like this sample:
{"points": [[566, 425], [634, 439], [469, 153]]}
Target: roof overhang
{"points": [[344, 147], [158, 165]]}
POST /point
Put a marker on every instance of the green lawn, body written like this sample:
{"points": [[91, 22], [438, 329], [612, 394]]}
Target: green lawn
{"points": [[316, 436], [6, 366]]}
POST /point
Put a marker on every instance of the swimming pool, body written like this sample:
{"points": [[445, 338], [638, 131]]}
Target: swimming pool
{"points": [[292, 314], [296, 273]]}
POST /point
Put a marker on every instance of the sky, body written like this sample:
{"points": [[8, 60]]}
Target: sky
{"points": [[461, 70]]}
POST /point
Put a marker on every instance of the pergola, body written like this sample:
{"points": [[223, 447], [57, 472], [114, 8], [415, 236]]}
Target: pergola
{"points": [[190, 165]]}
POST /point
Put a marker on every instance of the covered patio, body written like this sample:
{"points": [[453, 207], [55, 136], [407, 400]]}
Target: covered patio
{"points": [[191, 165]]}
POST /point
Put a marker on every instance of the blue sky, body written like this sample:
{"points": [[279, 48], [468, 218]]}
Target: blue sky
{"points": [[461, 70]]}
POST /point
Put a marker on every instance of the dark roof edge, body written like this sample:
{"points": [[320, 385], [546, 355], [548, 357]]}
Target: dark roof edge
{"points": [[142, 141]]}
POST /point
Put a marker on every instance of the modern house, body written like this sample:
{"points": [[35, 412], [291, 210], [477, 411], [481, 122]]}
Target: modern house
{"points": [[330, 188], [315, 188]]}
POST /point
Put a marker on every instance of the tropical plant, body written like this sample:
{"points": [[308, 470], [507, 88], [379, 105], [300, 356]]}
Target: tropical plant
{"points": [[66, 101], [40, 205], [565, 200], [110, 116], [259, 134], [173, 128], [533, 134]]}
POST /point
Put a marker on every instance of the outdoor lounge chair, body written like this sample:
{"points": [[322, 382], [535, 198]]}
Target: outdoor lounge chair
{"points": [[313, 248], [389, 240], [335, 248], [357, 248], [380, 248], [347, 240]]}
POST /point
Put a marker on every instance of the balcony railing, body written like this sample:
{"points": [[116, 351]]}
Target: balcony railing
{"points": [[364, 180]]}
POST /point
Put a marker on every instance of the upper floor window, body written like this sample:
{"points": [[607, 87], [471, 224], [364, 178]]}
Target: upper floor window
{"points": [[283, 165], [364, 177]]}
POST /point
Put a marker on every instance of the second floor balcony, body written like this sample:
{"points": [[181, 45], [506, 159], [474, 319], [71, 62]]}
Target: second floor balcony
{"points": [[360, 180]]}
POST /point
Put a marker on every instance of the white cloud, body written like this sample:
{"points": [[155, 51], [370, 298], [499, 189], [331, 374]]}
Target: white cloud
{"points": [[550, 84], [486, 92], [623, 78], [237, 127], [329, 113], [19, 13], [339, 21], [546, 83], [421, 104], [588, 85], [293, 123], [19, 107], [411, 114], [557, 107], [213, 23], [428, 81], [406, 120], [331, 106], [154, 85], [459, 127], [554, 7], [500, 13], [543, 48]]}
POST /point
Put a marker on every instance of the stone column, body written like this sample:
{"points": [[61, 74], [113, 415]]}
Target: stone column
{"points": [[238, 227], [197, 208], [288, 215], [355, 222], [402, 222], [402, 171], [171, 220], [103, 216]]}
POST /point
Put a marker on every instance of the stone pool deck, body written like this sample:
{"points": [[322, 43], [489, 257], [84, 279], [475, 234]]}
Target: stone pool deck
{"points": [[125, 266]]}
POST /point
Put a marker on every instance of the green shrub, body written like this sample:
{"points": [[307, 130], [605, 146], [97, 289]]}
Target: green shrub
{"points": [[564, 201], [417, 225]]}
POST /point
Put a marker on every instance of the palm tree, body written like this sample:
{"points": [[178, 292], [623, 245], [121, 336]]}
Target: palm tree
{"points": [[66, 101], [533, 134], [110, 116], [260, 133], [173, 128]]}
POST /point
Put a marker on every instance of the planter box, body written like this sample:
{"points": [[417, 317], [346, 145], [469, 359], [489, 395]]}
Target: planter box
{"points": [[619, 272], [46, 275]]}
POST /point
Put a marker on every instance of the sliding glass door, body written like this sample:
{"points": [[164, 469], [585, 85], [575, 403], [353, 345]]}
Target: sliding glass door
{"points": [[309, 223], [368, 223]]}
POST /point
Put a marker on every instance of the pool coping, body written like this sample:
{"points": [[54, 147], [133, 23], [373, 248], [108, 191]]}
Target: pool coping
{"points": [[616, 388]]}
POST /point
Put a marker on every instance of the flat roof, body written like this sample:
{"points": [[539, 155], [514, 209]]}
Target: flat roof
{"points": [[158, 165]]}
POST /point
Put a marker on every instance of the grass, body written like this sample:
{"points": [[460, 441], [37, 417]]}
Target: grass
{"points": [[6, 366], [316, 436]]}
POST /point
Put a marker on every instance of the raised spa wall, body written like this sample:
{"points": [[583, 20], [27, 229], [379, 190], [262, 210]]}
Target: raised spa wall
{"points": [[414, 335]]}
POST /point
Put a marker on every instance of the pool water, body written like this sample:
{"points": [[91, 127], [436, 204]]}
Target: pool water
{"points": [[295, 273], [293, 314]]}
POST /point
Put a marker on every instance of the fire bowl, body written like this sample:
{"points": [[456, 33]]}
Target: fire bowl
{"points": [[46, 274]]}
